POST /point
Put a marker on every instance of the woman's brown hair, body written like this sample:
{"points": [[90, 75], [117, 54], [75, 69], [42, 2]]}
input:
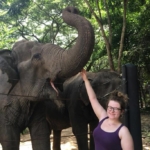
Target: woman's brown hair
{"points": [[119, 97]]}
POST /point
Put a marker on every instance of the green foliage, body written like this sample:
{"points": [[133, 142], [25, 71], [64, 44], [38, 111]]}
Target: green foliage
{"points": [[6, 36], [137, 37], [38, 20], [41, 20], [17, 7]]}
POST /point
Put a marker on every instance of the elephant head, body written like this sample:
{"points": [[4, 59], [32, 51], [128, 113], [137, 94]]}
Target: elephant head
{"points": [[103, 83], [59, 62]]}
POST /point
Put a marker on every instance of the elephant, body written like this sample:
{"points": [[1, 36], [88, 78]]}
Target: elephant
{"points": [[36, 67], [21, 103], [77, 111]]}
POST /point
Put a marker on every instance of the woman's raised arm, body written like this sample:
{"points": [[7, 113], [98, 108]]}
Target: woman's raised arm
{"points": [[97, 108]]}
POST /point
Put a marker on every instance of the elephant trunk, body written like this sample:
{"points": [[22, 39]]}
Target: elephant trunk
{"points": [[60, 63], [74, 59]]}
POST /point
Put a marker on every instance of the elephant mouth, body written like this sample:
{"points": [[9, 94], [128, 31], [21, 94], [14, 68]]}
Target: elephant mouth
{"points": [[57, 85]]}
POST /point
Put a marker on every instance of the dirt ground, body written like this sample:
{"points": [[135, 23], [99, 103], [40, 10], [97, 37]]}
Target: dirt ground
{"points": [[68, 141], [145, 128]]}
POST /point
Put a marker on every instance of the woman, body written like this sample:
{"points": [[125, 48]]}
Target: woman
{"points": [[110, 134]]}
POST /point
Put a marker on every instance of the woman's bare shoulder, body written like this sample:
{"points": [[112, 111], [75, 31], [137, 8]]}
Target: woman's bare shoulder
{"points": [[124, 131], [126, 137]]}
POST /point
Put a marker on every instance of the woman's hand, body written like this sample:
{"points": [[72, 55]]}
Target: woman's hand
{"points": [[83, 74]]}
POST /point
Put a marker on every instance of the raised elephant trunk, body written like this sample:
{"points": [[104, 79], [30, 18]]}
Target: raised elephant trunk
{"points": [[61, 63], [76, 57]]}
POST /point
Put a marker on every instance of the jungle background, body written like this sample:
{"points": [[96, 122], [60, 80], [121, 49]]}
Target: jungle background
{"points": [[122, 33]]}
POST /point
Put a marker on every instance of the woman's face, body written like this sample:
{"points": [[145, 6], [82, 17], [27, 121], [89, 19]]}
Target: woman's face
{"points": [[114, 110]]}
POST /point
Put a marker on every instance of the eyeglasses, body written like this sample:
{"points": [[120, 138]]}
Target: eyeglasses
{"points": [[115, 109]]}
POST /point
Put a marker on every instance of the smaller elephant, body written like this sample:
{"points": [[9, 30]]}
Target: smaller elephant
{"points": [[77, 111]]}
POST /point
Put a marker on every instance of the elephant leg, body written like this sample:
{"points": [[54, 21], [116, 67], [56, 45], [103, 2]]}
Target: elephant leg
{"points": [[79, 121], [56, 139], [92, 126], [10, 138], [80, 133], [39, 128], [80, 130], [40, 136]]}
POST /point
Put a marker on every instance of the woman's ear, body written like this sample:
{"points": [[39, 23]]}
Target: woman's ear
{"points": [[122, 113]]}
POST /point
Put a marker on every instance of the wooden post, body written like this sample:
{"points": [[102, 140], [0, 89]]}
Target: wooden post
{"points": [[132, 116]]}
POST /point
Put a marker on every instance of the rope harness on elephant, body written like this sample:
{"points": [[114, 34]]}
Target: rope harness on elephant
{"points": [[79, 89], [107, 94]]}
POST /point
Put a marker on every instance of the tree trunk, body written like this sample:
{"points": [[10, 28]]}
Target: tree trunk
{"points": [[107, 41], [122, 35]]}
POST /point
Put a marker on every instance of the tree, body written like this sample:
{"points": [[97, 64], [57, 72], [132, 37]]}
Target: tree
{"points": [[96, 9], [116, 27], [37, 20]]}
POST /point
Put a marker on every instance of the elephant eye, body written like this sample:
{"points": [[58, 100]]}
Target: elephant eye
{"points": [[37, 56], [37, 59]]}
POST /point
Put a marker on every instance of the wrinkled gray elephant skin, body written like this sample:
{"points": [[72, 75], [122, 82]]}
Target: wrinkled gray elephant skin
{"points": [[33, 65], [77, 112], [21, 103]]}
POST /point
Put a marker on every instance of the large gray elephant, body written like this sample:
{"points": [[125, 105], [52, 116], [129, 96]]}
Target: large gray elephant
{"points": [[20, 105], [36, 65], [77, 112]]}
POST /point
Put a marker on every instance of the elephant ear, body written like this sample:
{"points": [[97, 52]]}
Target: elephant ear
{"points": [[8, 75], [5, 52], [83, 93], [7, 55]]}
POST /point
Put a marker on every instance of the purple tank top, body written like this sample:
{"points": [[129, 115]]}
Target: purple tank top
{"points": [[106, 140]]}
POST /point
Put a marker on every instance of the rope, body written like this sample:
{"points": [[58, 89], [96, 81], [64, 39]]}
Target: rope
{"points": [[56, 99]]}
